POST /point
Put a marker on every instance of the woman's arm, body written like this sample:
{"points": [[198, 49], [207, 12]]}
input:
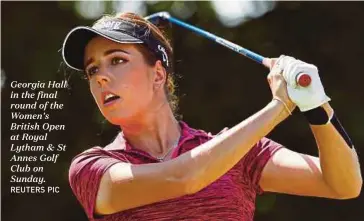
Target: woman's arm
{"points": [[339, 161], [335, 174], [126, 186]]}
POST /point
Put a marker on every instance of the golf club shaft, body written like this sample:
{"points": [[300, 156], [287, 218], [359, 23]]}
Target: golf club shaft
{"points": [[302, 79]]}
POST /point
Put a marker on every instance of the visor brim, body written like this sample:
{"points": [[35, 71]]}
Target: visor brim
{"points": [[74, 45]]}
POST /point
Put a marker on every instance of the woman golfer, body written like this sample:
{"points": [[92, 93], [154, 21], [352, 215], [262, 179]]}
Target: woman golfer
{"points": [[159, 168]]}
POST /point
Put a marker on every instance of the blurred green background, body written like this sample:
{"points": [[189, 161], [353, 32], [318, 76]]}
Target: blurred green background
{"points": [[217, 87]]}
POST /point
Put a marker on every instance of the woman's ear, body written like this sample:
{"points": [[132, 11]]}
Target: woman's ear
{"points": [[160, 75]]}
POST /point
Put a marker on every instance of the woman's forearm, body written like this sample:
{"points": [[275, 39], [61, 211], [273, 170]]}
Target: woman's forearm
{"points": [[339, 162], [206, 163]]}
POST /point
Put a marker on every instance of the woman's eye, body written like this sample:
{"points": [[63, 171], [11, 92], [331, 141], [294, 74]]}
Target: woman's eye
{"points": [[92, 70], [117, 60]]}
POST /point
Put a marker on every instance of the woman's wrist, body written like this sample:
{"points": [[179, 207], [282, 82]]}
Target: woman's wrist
{"points": [[282, 110], [321, 115]]}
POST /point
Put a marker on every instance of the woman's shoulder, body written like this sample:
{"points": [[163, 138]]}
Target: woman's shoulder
{"points": [[115, 144], [187, 130], [98, 157]]}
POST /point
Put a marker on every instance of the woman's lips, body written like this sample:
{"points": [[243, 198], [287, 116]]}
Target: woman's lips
{"points": [[109, 103], [109, 98]]}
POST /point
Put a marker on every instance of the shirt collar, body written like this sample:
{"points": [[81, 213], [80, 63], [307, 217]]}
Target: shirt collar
{"points": [[187, 133]]}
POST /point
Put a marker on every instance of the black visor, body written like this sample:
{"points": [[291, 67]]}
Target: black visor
{"points": [[115, 29]]}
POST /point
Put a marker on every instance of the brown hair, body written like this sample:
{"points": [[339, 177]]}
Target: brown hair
{"points": [[149, 56]]}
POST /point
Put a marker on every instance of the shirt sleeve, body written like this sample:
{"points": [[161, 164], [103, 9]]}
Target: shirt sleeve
{"points": [[256, 159], [85, 173]]}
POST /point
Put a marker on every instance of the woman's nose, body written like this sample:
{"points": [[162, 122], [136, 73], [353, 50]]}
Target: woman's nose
{"points": [[102, 79]]}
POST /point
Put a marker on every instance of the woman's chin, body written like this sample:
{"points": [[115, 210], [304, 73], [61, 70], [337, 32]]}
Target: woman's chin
{"points": [[116, 116]]}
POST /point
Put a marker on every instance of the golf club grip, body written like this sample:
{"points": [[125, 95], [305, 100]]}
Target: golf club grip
{"points": [[302, 79]]}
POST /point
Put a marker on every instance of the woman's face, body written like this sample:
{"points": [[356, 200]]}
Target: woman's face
{"points": [[121, 82]]}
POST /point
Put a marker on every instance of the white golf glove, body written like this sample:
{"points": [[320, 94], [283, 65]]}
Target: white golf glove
{"points": [[306, 98]]}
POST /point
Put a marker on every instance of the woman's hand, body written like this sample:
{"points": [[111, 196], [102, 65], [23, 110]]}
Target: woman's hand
{"points": [[278, 86], [306, 98]]}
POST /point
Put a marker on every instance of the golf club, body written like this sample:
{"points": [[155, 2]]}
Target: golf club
{"points": [[302, 79]]}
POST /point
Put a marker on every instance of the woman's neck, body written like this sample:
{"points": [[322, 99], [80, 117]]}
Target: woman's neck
{"points": [[154, 132]]}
